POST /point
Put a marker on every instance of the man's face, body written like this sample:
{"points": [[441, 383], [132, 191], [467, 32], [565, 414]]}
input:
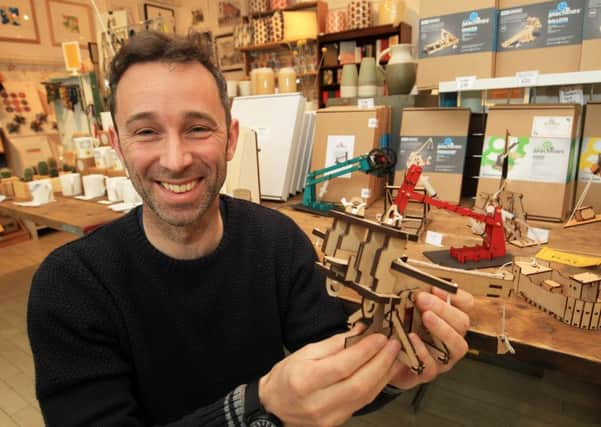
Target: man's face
{"points": [[173, 138]]}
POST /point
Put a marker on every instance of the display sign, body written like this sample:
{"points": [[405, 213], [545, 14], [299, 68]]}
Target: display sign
{"points": [[590, 156], [434, 154], [457, 33], [540, 25], [592, 20], [537, 159]]}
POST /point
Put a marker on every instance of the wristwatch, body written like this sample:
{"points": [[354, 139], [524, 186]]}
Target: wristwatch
{"points": [[255, 414]]}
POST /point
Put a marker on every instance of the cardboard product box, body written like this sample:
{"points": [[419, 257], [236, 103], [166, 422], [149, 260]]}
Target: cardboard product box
{"points": [[542, 158], [456, 39], [539, 36], [590, 156], [591, 37], [342, 133], [435, 138]]}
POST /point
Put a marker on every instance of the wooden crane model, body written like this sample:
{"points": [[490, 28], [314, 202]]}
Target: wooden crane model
{"points": [[364, 256], [527, 34], [447, 39]]}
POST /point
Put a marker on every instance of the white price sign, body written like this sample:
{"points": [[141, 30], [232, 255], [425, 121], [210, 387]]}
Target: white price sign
{"points": [[527, 78], [366, 103], [465, 83]]}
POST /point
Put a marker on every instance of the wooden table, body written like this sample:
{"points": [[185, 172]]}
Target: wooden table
{"points": [[538, 338], [65, 214]]}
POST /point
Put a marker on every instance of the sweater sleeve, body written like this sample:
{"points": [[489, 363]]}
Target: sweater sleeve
{"points": [[83, 374]]}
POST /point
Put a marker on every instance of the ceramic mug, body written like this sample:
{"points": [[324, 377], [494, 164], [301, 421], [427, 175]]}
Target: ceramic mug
{"points": [[130, 195], [114, 188], [93, 185], [232, 88], [116, 161], [70, 184], [103, 157], [41, 191], [84, 146], [245, 87]]}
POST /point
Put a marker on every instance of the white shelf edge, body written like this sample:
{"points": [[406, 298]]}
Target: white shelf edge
{"points": [[556, 79]]}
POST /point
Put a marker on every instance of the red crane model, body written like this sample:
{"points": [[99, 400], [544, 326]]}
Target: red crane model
{"points": [[493, 244]]}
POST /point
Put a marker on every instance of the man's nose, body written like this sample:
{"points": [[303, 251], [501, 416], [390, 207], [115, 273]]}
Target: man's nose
{"points": [[176, 156]]}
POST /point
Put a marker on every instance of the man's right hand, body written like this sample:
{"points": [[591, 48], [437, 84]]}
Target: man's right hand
{"points": [[324, 383]]}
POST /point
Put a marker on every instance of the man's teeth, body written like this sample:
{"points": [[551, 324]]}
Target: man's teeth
{"points": [[179, 188]]}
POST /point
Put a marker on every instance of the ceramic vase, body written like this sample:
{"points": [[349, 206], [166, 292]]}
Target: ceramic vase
{"points": [[367, 78], [400, 70], [348, 81]]}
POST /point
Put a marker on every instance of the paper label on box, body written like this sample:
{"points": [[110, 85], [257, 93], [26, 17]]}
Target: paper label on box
{"points": [[457, 33], [540, 25], [372, 123], [340, 149], [552, 126], [590, 153], [433, 238], [445, 154], [571, 95], [527, 78], [366, 103], [540, 235], [365, 193], [530, 159], [592, 20]]}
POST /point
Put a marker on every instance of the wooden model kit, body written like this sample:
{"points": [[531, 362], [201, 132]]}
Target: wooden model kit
{"points": [[585, 214], [527, 34], [364, 256], [446, 40]]}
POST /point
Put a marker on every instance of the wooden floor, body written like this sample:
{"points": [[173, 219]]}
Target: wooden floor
{"points": [[475, 393]]}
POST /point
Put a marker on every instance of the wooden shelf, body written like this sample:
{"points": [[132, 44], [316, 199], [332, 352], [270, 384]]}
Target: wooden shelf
{"points": [[273, 46], [370, 32], [299, 6]]}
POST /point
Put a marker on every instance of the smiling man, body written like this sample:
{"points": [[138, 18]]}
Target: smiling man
{"points": [[179, 312]]}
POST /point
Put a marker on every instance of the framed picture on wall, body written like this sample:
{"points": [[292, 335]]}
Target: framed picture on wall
{"points": [[69, 21], [164, 16], [228, 58], [18, 22]]}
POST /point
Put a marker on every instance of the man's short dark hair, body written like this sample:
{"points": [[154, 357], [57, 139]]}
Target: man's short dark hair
{"points": [[154, 46]]}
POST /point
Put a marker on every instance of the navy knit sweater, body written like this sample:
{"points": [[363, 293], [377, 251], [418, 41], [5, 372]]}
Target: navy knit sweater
{"points": [[123, 335]]}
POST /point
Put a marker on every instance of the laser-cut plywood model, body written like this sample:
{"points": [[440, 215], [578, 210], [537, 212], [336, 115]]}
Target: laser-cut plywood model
{"points": [[365, 257], [575, 299], [446, 40], [527, 34], [585, 214]]}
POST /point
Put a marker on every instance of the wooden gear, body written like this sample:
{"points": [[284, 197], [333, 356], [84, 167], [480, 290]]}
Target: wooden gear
{"points": [[364, 256]]}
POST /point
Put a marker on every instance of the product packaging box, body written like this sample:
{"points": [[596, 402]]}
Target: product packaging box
{"points": [[342, 133], [436, 139], [590, 158], [456, 39], [543, 154], [539, 36], [591, 37]]}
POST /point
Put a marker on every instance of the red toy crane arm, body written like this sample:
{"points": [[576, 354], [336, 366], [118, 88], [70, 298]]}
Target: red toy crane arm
{"points": [[494, 239]]}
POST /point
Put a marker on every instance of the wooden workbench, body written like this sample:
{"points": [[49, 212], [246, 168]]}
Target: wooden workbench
{"points": [[537, 337], [65, 214]]}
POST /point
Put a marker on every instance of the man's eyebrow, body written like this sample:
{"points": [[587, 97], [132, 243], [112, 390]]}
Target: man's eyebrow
{"points": [[140, 116], [198, 115]]}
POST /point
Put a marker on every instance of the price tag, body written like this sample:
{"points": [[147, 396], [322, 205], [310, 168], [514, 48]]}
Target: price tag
{"points": [[540, 235], [372, 123], [465, 83], [433, 238], [365, 193], [527, 78], [366, 103]]}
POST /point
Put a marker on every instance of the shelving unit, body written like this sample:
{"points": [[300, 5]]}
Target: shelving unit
{"points": [[363, 37], [299, 6]]}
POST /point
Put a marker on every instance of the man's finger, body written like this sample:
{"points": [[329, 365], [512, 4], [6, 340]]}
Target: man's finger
{"points": [[456, 318], [449, 336], [463, 300], [329, 346]]}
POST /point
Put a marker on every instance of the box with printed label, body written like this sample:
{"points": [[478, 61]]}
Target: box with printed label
{"points": [[539, 36], [591, 37], [436, 140], [589, 165], [542, 156], [456, 39], [342, 133]]}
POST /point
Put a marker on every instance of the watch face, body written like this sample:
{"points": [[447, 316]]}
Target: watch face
{"points": [[262, 423]]}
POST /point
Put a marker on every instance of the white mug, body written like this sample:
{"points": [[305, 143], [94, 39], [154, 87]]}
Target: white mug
{"points": [[116, 161], [93, 185], [114, 188], [103, 157], [41, 191], [71, 184], [244, 87], [84, 146], [130, 195], [232, 88]]}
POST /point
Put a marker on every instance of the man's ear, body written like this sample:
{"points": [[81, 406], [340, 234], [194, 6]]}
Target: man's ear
{"points": [[114, 139], [232, 140]]}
